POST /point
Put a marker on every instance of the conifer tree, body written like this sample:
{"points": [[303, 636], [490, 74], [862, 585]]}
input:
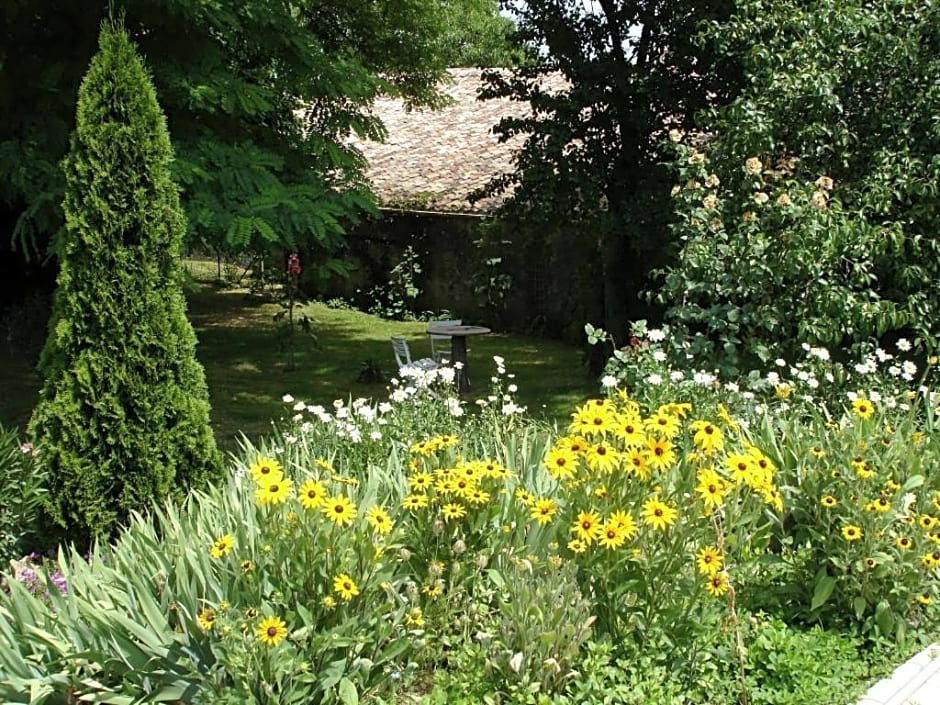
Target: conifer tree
{"points": [[123, 416]]}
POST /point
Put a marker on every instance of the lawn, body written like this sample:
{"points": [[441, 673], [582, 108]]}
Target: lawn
{"points": [[248, 373]]}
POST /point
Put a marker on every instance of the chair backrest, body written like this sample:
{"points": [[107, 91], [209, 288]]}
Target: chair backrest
{"points": [[437, 341], [402, 353], [435, 324]]}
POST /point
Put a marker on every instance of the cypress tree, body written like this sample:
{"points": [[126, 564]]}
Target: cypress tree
{"points": [[123, 416]]}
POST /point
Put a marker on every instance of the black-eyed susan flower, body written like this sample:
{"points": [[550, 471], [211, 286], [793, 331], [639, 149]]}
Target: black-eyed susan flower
{"points": [[711, 488], [660, 453], [709, 560], [206, 619], [561, 462], [658, 514], [817, 452], [544, 510], [272, 631], [717, 584], [477, 496], [924, 598], [601, 457], [610, 536], [265, 468], [345, 587], [707, 437], [453, 510], [662, 424], [414, 502], [524, 497], [312, 494], [587, 527], [339, 510], [931, 560], [828, 501], [624, 522], [926, 522], [221, 546], [414, 617], [863, 408], [433, 589], [628, 429], [274, 491], [635, 462], [421, 482], [379, 520], [246, 566], [850, 532], [577, 546], [871, 563], [904, 543]]}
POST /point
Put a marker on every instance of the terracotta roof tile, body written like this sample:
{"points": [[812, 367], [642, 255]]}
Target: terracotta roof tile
{"points": [[433, 159]]}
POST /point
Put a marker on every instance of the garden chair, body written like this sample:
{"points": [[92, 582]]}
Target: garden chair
{"points": [[440, 344], [403, 357]]}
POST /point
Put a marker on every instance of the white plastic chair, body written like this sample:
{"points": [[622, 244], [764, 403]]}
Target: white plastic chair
{"points": [[440, 344], [403, 357]]}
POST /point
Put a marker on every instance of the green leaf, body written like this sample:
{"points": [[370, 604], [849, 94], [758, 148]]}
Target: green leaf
{"points": [[347, 692], [825, 584], [859, 604]]}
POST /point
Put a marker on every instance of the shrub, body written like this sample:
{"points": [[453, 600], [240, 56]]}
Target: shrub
{"points": [[123, 416]]}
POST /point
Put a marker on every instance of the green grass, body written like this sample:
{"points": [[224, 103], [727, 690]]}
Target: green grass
{"points": [[248, 373]]}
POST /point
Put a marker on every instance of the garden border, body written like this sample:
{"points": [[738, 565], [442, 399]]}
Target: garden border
{"points": [[915, 682]]}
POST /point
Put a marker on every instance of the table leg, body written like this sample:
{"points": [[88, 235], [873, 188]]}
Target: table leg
{"points": [[458, 353]]}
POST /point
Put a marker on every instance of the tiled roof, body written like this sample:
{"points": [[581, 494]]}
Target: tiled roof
{"points": [[433, 159]]}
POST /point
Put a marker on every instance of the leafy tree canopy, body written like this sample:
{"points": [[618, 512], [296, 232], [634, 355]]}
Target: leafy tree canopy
{"points": [[631, 69], [842, 98], [259, 98]]}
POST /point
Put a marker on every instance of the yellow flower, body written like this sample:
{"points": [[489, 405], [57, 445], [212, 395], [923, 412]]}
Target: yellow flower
{"points": [[707, 437], [863, 408], [624, 522], [601, 457], [433, 589], [312, 494], [709, 561], [577, 546], [850, 532], [561, 462], [329, 602], [221, 546], [717, 584], [477, 496], [414, 617], [272, 631], [274, 491], [593, 419], [265, 469], [420, 482], [817, 452], [660, 453], [453, 510], [635, 461], [543, 511], [711, 488], [524, 497], [344, 586], [879, 505], [206, 619], [587, 527], [904, 543], [753, 166], [924, 598], [379, 519], [658, 514], [628, 428], [931, 560], [339, 510], [662, 424], [611, 537]]}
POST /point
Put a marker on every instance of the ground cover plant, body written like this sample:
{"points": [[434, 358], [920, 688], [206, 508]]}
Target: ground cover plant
{"points": [[661, 547]]}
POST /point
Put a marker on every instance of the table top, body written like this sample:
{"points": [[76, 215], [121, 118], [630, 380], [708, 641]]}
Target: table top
{"points": [[458, 330]]}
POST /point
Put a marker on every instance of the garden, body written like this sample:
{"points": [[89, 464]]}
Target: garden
{"points": [[742, 507]]}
